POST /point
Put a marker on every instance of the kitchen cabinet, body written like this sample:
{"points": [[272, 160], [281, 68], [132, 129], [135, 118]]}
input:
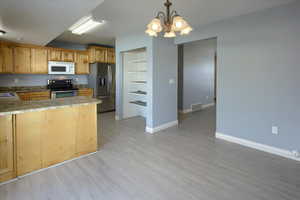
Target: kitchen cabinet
{"points": [[22, 60], [54, 55], [67, 56], [7, 163], [6, 58], [30, 127], [82, 63], [88, 92], [111, 55], [39, 61], [86, 136], [34, 96], [98, 54], [58, 142]]}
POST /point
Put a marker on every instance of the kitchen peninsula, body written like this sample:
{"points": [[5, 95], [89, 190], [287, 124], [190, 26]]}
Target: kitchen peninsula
{"points": [[39, 134]]}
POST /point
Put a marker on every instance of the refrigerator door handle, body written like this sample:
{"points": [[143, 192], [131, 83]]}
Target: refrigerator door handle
{"points": [[109, 77]]}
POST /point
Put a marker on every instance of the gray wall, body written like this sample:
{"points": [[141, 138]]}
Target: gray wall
{"points": [[198, 73], [258, 75], [16, 80], [164, 71]]}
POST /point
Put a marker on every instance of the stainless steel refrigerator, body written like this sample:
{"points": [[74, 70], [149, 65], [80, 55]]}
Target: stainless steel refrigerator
{"points": [[102, 79]]}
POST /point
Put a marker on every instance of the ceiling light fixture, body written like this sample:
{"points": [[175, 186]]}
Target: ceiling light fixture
{"points": [[2, 32], [169, 22], [84, 25]]}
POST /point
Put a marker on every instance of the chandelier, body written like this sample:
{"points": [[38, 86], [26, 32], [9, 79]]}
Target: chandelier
{"points": [[169, 22]]}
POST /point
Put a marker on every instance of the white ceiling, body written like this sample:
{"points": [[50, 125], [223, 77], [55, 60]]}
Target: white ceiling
{"points": [[40, 21], [127, 16]]}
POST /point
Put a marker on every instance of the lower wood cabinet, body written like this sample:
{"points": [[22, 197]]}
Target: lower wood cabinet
{"points": [[45, 138], [7, 161], [87, 92], [34, 96]]}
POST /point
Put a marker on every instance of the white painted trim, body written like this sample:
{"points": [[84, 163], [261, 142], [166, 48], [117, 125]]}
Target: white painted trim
{"points": [[258, 146], [185, 111], [207, 105], [117, 117], [52, 166], [190, 110], [161, 127]]}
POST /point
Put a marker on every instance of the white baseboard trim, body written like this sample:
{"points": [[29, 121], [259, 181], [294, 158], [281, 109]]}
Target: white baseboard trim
{"points": [[208, 105], [185, 111], [52, 166], [190, 110], [162, 127], [258, 146]]}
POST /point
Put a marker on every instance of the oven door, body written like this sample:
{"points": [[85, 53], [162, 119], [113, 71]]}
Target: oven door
{"points": [[63, 94]]}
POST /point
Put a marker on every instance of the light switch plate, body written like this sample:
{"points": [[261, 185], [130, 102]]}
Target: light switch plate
{"points": [[275, 130], [171, 81]]}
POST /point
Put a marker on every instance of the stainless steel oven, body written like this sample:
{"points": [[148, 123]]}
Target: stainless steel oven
{"points": [[63, 94]]}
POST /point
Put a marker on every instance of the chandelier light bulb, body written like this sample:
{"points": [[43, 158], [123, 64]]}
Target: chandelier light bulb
{"points": [[168, 22], [186, 31], [170, 34]]}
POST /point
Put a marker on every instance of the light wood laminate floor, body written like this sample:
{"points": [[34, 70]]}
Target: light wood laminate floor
{"points": [[185, 163]]}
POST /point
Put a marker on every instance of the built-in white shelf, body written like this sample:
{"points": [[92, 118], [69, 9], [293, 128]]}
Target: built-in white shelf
{"points": [[139, 61], [137, 71], [139, 92], [139, 103], [139, 82]]}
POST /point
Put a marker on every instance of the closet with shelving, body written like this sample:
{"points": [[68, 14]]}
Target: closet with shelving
{"points": [[135, 83]]}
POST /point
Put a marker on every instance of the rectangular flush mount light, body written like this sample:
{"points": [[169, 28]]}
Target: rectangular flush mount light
{"points": [[84, 25]]}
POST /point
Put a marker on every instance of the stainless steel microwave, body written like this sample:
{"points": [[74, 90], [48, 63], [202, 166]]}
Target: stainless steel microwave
{"points": [[61, 67]]}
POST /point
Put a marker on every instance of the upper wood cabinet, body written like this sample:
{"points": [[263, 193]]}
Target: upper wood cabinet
{"points": [[67, 56], [111, 55], [39, 61], [22, 60], [6, 58], [7, 164], [82, 63], [98, 54], [54, 55]]}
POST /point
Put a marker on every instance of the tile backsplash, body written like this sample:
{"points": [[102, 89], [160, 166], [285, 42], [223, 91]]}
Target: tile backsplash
{"points": [[17, 80]]}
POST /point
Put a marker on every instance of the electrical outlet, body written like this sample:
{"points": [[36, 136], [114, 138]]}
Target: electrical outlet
{"points": [[16, 80], [275, 130]]}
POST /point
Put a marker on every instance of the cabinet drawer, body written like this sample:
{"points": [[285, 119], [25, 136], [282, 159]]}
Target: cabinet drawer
{"points": [[34, 96], [85, 92]]}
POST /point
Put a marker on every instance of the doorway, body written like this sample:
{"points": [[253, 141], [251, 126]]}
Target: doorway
{"points": [[197, 77]]}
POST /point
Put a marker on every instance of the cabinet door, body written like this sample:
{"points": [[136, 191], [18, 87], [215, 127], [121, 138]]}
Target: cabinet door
{"points": [[86, 137], [88, 92], [111, 56], [7, 169], [58, 137], [54, 55], [22, 60], [68, 56], [39, 61], [29, 128], [101, 55], [6, 59], [82, 63]]}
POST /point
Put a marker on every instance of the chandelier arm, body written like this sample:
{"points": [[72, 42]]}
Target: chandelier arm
{"points": [[160, 14]]}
